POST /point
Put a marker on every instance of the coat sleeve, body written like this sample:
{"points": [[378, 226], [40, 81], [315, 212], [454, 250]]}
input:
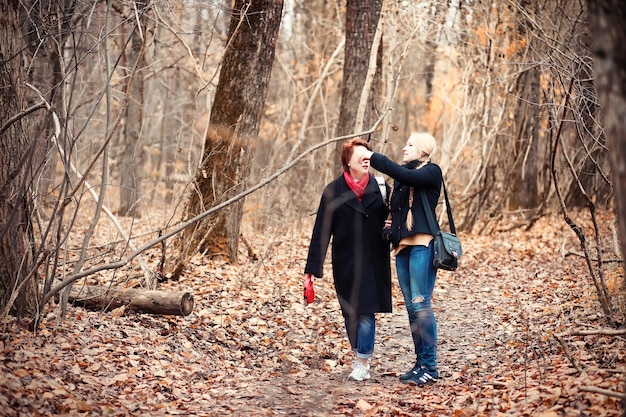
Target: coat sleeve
{"points": [[424, 178], [320, 237]]}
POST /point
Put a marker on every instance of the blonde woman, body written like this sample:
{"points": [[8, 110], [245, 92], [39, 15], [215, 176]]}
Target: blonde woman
{"points": [[412, 242]]}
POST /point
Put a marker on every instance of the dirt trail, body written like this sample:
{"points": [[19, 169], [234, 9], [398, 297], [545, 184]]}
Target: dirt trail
{"points": [[470, 334], [251, 348], [497, 356]]}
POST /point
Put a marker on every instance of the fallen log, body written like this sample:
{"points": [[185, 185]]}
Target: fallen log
{"points": [[179, 303]]}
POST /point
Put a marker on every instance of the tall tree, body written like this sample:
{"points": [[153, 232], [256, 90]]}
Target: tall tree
{"points": [[607, 21], [431, 46], [132, 154], [362, 19], [16, 151], [30, 39], [234, 122], [525, 162], [608, 37]]}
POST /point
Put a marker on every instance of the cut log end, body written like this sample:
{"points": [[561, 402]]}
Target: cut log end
{"points": [[186, 304]]}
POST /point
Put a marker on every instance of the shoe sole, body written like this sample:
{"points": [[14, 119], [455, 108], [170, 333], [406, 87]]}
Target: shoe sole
{"points": [[420, 384], [421, 381]]}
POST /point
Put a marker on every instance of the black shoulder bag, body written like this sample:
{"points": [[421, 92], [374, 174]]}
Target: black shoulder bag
{"points": [[448, 248]]}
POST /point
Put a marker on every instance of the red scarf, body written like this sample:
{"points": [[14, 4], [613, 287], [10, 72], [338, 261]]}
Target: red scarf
{"points": [[358, 187]]}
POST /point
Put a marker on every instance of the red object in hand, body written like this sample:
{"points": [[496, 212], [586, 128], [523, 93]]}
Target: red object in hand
{"points": [[309, 292]]}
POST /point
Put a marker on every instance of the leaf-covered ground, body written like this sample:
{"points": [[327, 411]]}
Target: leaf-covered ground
{"points": [[251, 348]]}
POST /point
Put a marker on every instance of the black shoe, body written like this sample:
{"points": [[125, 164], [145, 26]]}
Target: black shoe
{"points": [[410, 374], [424, 376]]}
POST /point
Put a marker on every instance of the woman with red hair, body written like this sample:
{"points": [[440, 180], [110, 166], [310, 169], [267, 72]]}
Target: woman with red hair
{"points": [[352, 212]]}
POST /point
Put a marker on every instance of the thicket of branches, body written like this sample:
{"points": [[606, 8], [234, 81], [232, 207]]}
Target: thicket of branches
{"points": [[508, 91]]}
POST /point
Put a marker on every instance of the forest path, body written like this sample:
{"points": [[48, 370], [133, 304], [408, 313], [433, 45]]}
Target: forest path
{"points": [[497, 316], [252, 348], [472, 331]]}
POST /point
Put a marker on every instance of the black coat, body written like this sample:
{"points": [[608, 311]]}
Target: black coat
{"points": [[427, 179], [360, 255]]}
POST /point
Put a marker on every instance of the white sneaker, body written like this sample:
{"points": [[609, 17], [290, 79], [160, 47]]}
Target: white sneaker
{"points": [[360, 372]]}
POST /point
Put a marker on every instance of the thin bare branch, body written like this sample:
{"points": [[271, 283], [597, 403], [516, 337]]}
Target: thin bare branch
{"points": [[21, 115], [603, 391], [197, 218]]}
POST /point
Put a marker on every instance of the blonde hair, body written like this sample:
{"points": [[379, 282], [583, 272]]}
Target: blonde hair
{"points": [[426, 144], [409, 213]]}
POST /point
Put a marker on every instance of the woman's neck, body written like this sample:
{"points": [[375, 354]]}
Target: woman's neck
{"points": [[357, 176], [420, 163]]}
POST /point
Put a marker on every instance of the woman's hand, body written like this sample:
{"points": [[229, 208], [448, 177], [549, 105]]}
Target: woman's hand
{"points": [[366, 154]]}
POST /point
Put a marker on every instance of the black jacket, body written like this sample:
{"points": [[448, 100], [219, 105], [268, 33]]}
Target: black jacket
{"points": [[427, 179], [360, 255]]}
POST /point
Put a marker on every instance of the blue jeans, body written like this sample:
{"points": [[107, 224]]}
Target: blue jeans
{"points": [[361, 333], [416, 276]]}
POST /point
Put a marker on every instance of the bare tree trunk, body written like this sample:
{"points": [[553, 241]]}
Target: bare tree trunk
{"points": [[132, 155], [525, 169], [608, 33], [521, 163], [171, 131], [362, 19], [592, 149], [22, 149], [432, 48], [234, 123]]}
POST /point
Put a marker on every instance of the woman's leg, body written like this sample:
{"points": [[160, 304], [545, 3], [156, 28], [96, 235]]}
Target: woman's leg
{"points": [[422, 276], [352, 327], [366, 334], [404, 279], [361, 332]]}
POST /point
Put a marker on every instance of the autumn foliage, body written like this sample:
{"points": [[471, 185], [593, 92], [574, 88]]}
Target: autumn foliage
{"points": [[519, 335]]}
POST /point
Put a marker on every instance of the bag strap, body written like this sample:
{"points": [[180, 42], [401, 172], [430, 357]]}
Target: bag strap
{"points": [[448, 208], [383, 187], [432, 224]]}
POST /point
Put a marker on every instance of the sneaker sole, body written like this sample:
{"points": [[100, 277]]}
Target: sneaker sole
{"points": [[420, 384], [423, 380], [351, 378]]}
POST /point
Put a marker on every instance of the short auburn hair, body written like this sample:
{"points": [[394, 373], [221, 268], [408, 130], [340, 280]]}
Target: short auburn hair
{"points": [[348, 149]]}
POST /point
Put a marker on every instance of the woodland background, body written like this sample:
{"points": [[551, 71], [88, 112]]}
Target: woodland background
{"points": [[122, 122]]}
